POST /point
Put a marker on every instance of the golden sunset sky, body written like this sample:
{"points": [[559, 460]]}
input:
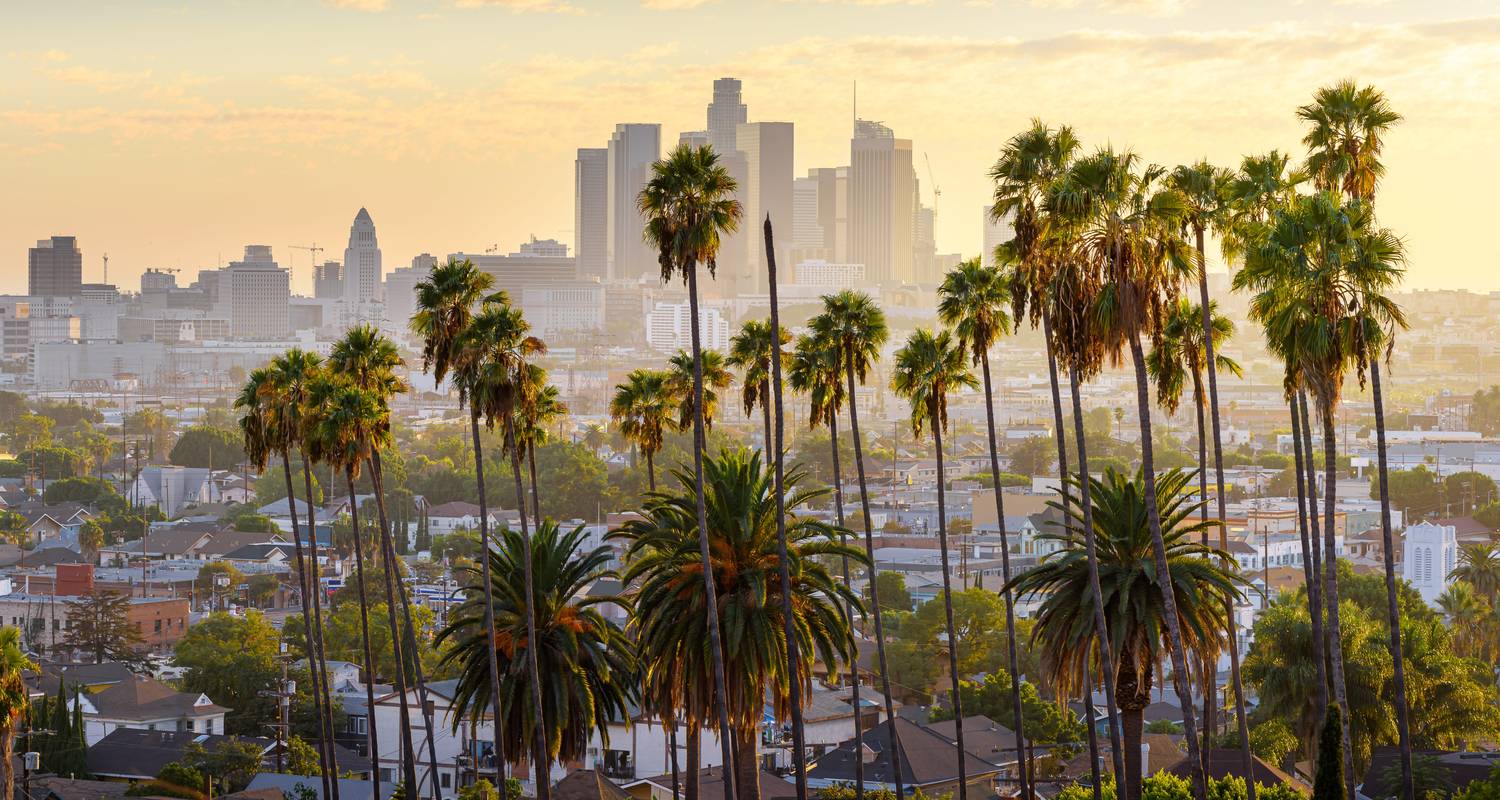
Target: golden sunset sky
{"points": [[171, 134]]}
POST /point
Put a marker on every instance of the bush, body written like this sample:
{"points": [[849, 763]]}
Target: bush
{"points": [[78, 490]]}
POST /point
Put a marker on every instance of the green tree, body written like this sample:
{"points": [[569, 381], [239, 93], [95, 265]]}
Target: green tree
{"points": [[302, 758], [1045, 722], [271, 484], [1328, 774], [30, 431], [14, 700], [208, 447], [891, 588], [233, 660], [577, 481], [52, 462], [231, 764], [1034, 455], [87, 491], [99, 626]]}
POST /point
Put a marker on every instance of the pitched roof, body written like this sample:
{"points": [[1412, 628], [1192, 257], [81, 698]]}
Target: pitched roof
{"points": [[137, 698], [349, 788], [258, 552], [140, 754], [983, 737], [711, 784], [456, 508], [587, 784], [1461, 769], [926, 757], [51, 786], [1222, 762], [229, 541]]}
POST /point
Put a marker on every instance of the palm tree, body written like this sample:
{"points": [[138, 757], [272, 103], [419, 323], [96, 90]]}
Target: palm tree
{"points": [[533, 422], [750, 351], [672, 608], [286, 394], [1132, 591], [643, 409], [370, 361], [588, 664], [927, 367], [1130, 232], [261, 437], [716, 378], [1347, 127], [689, 205], [854, 327], [1469, 614], [974, 300], [493, 353], [343, 425], [1479, 566], [445, 309], [14, 699]]}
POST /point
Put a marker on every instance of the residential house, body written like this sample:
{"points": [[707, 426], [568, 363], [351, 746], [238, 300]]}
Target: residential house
{"points": [[457, 515], [138, 754], [172, 488], [264, 555], [173, 542], [710, 786], [1456, 770], [148, 704], [930, 762], [1220, 763], [296, 786], [985, 738], [46, 521]]}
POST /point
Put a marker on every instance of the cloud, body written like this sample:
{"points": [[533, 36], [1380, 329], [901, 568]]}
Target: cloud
{"points": [[523, 6], [1150, 8], [359, 5], [100, 80], [672, 5]]}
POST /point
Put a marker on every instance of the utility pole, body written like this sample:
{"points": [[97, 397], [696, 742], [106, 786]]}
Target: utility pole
{"points": [[283, 694]]}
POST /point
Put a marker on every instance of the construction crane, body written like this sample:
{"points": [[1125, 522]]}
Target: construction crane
{"points": [[936, 190], [312, 249]]}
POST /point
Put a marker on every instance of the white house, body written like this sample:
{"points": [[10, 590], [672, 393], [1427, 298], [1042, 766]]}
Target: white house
{"points": [[1429, 554], [457, 515], [148, 704]]}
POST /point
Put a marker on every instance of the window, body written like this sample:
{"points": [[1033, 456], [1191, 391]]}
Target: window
{"points": [[447, 782], [158, 626]]}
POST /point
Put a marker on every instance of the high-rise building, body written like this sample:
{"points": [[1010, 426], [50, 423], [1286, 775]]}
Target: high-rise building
{"points": [[328, 280], [767, 191], [693, 139], [55, 267], [401, 293], [833, 209], [996, 233], [924, 245], [882, 203], [591, 210], [255, 294], [807, 231], [725, 114], [362, 272], [543, 248], [633, 148]]}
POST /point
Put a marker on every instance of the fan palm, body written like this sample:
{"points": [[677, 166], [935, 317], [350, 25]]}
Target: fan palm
{"points": [[1133, 592], [671, 607], [643, 409], [370, 361], [974, 299], [258, 431], [1472, 619], [492, 367], [14, 699], [532, 423], [1479, 566], [716, 378], [1130, 232], [345, 424], [854, 327], [750, 352], [1346, 134], [689, 206], [446, 301], [927, 368], [588, 666]]}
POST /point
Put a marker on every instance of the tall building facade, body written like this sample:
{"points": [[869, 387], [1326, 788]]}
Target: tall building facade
{"points": [[725, 114], [633, 148], [807, 230], [328, 280], [256, 294], [362, 270], [882, 203], [766, 192], [996, 233], [591, 211], [55, 268]]}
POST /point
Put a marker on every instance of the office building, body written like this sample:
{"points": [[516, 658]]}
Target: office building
{"points": [[669, 328], [996, 233], [590, 211], [401, 294], [693, 139], [633, 148], [725, 114], [255, 294], [156, 280], [328, 280], [767, 192], [807, 232], [924, 246], [825, 275], [99, 309], [362, 269], [882, 203], [543, 248], [55, 267]]}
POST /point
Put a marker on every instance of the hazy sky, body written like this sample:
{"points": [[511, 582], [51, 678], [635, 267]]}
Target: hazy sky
{"points": [[172, 134]]}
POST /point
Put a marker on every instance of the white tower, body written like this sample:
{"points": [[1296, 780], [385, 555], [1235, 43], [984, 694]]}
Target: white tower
{"points": [[362, 272]]}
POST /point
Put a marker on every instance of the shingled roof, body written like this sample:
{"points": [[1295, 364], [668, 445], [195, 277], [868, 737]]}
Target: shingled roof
{"points": [[137, 698], [926, 758]]}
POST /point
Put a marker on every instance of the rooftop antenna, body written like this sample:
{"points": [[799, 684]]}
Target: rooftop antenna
{"points": [[856, 103], [106, 267]]}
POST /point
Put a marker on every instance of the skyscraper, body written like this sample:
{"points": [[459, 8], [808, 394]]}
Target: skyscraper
{"points": [[256, 294], [833, 210], [996, 233], [55, 268], [807, 230], [328, 280], [882, 203], [362, 272], [632, 150], [767, 191], [725, 114], [590, 211]]}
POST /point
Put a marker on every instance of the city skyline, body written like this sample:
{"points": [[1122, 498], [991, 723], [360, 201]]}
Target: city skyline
{"points": [[178, 156]]}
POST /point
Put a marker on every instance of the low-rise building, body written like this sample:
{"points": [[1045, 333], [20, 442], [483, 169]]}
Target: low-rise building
{"points": [[148, 704]]}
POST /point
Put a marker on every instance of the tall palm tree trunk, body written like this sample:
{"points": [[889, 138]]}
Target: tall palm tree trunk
{"points": [[1212, 367], [377, 477], [1310, 573], [958, 700], [893, 754], [364, 637], [540, 757], [320, 707], [536, 495], [765, 413], [746, 762], [671, 723], [1062, 474], [838, 512], [1010, 610], [408, 750], [1168, 595], [1315, 528], [1107, 664], [788, 624], [650, 471], [489, 600], [320, 679], [1393, 611], [710, 590], [694, 762], [1209, 661], [1331, 584]]}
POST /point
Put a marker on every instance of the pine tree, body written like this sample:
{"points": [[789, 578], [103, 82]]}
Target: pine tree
{"points": [[1328, 779]]}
